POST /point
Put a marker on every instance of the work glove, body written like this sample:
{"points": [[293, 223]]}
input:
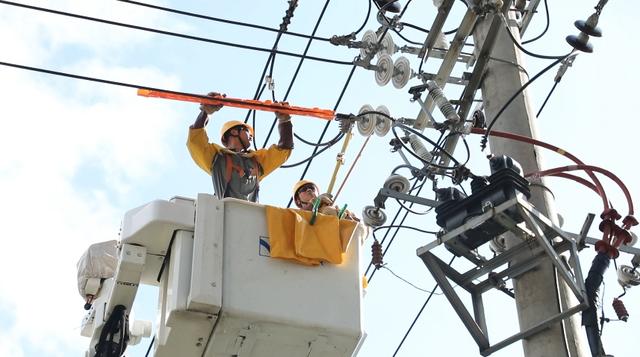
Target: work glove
{"points": [[283, 117], [211, 108]]}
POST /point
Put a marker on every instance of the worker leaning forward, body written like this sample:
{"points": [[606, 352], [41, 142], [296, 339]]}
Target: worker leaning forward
{"points": [[305, 192], [235, 170]]}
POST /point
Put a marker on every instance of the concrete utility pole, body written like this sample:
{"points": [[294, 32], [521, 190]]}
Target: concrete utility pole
{"points": [[538, 292]]}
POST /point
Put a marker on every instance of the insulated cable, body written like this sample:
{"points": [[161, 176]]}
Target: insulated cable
{"points": [[596, 181], [483, 143], [605, 172], [326, 127], [384, 266], [515, 42], [286, 20], [173, 34], [315, 153], [433, 143], [406, 214], [330, 142], [217, 19], [555, 84], [419, 313], [297, 71], [546, 27]]}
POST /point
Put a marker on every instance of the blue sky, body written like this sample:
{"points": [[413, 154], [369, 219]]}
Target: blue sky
{"points": [[77, 155]]}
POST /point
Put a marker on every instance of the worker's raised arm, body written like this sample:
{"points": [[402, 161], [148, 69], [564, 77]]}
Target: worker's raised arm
{"points": [[285, 129]]}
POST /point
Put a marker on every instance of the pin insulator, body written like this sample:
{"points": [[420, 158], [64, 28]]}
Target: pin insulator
{"points": [[620, 309], [376, 254]]}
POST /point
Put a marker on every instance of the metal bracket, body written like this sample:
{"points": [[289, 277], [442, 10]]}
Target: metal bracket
{"points": [[530, 253]]}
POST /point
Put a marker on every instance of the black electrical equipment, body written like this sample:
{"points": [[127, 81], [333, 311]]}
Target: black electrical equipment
{"points": [[504, 183]]}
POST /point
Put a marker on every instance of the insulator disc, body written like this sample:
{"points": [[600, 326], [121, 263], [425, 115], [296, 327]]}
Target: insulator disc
{"points": [[388, 47], [366, 123], [373, 216], [627, 277], [384, 70], [397, 183], [383, 124], [401, 72], [369, 37]]}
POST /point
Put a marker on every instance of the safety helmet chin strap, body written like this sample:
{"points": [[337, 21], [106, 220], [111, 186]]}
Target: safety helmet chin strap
{"points": [[229, 133]]}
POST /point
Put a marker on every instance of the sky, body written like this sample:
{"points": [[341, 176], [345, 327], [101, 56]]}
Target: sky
{"points": [[93, 151]]}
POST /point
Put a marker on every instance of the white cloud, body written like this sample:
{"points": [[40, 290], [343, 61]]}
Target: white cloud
{"points": [[55, 133]]}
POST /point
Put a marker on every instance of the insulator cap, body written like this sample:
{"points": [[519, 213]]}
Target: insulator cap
{"points": [[580, 44], [584, 27]]}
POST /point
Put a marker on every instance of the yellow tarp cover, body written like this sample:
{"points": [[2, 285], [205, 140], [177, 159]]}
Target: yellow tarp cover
{"points": [[292, 237]]}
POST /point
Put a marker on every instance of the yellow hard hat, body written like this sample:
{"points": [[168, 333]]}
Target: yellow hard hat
{"points": [[233, 123], [299, 184]]}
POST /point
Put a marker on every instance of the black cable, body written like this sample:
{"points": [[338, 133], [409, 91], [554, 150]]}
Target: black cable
{"points": [[433, 143], [270, 60], [330, 142], [380, 14], [297, 71], [315, 153], [522, 69], [515, 42], [412, 211], [217, 19], [366, 19], [174, 34], [406, 214], [122, 84], [546, 27], [401, 226], [153, 340], [425, 30], [324, 131], [419, 313], [485, 138], [555, 84]]}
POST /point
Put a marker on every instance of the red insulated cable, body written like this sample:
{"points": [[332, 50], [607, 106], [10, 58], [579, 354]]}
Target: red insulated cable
{"points": [[502, 134], [607, 173]]}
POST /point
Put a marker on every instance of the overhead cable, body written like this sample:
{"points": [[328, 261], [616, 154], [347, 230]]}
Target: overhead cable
{"points": [[546, 27], [174, 34], [484, 140], [286, 20], [297, 71], [517, 43], [419, 313], [217, 19]]}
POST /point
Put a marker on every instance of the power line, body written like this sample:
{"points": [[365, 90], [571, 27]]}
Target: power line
{"points": [[546, 27], [173, 34], [515, 42], [419, 313], [217, 19], [514, 96], [555, 84], [297, 71]]}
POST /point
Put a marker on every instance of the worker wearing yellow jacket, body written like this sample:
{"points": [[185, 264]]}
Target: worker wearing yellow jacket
{"points": [[235, 170]]}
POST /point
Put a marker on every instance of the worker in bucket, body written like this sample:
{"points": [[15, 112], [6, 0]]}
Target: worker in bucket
{"points": [[305, 192], [236, 170]]}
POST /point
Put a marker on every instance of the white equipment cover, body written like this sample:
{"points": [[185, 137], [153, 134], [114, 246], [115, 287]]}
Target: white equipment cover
{"points": [[98, 261]]}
